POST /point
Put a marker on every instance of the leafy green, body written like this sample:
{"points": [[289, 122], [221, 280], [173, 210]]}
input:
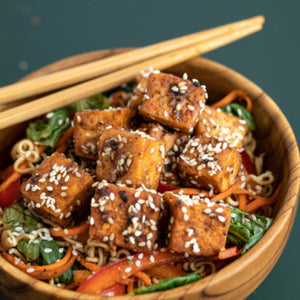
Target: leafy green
{"points": [[126, 87], [29, 249], [13, 216], [16, 216], [167, 284], [51, 255], [98, 101], [246, 229], [48, 131], [241, 112]]}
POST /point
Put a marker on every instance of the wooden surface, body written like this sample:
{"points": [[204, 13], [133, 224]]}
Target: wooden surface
{"points": [[239, 279]]}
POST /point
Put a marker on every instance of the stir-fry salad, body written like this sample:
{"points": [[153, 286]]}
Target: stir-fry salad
{"points": [[140, 189]]}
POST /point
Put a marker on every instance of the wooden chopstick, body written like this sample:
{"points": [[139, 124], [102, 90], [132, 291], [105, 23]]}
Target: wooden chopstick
{"points": [[67, 96], [91, 70]]}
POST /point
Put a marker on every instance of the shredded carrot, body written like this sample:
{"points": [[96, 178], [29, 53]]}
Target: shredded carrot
{"points": [[242, 201], [15, 175], [259, 202], [190, 191], [70, 231], [144, 277], [231, 97], [227, 193], [65, 137], [45, 272], [88, 265], [246, 192], [130, 287]]}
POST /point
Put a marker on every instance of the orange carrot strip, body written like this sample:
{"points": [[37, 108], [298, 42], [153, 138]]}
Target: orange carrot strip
{"points": [[246, 192], [259, 202], [45, 272], [227, 193], [15, 175], [62, 148], [130, 287], [229, 252], [242, 201], [166, 271], [144, 277], [88, 265], [70, 231], [65, 137], [231, 97]]}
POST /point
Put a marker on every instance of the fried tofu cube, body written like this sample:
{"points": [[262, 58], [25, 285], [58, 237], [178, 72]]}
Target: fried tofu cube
{"points": [[224, 127], [139, 92], [90, 124], [196, 227], [130, 157], [174, 143], [207, 163], [59, 190], [173, 101], [125, 217]]}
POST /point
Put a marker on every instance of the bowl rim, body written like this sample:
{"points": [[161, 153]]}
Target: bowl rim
{"points": [[282, 222]]}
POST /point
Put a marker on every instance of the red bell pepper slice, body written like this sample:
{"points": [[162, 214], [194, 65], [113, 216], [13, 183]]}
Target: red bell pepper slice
{"points": [[114, 273], [115, 290], [11, 194], [229, 252], [166, 187], [250, 168]]}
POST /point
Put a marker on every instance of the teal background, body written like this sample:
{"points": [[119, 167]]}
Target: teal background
{"points": [[36, 33]]}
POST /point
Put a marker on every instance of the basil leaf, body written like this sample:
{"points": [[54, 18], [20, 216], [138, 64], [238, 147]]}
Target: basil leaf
{"points": [[246, 229], [47, 132], [167, 284], [98, 101], [237, 110], [13, 216], [29, 249], [50, 253]]}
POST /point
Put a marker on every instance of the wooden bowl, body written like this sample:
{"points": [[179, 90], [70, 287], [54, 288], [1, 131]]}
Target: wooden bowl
{"points": [[242, 277]]}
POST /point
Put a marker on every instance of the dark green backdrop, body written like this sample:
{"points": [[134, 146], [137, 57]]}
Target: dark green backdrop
{"points": [[35, 33]]}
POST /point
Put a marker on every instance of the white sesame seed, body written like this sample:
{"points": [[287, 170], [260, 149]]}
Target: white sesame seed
{"points": [[92, 221], [141, 255], [127, 270], [47, 250], [219, 210], [152, 259], [138, 263], [30, 270], [221, 218], [27, 187]]}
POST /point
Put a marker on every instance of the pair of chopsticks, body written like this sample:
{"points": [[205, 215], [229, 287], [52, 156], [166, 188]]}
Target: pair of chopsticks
{"points": [[114, 71]]}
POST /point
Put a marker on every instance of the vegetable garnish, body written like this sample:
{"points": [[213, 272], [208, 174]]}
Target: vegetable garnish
{"points": [[42, 272], [70, 231], [241, 112], [246, 229], [168, 284], [112, 274], [48, 131]]}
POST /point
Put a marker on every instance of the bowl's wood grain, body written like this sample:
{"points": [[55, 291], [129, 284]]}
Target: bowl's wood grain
{"points": [[275, 138]]}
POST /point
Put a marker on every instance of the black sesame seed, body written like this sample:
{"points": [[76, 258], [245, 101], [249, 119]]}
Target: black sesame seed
{"points": [[114, 144], [124, 196], [196, 83], [178, 99]]}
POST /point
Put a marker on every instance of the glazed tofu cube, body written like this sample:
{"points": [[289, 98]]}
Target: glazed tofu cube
{"points": [[59, 190], [130, 157], [90, 124], [207, 163], [216, 123], [196, 227], [139, 92], [125, 217], [173, 102], [174, 143]]}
